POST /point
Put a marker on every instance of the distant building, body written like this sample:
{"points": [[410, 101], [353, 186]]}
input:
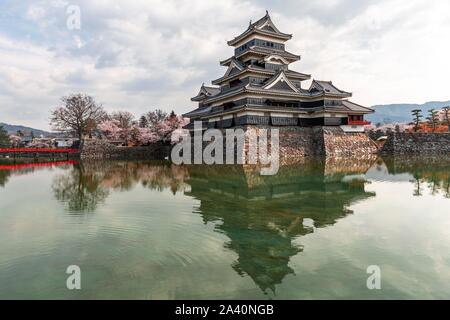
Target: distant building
{"points": [[258, 88], [27, 139]]}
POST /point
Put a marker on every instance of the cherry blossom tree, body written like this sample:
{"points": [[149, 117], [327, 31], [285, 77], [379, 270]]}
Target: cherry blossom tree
{"points": [[165, 128], [15, 140], [38, 143], [111, 129], [160, 129], [146, 136]]}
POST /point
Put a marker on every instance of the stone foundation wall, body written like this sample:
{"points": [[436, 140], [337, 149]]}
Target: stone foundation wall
{"points": [[296, 143], [101, 149], [337, 143], [329, 141], [399, 143]]}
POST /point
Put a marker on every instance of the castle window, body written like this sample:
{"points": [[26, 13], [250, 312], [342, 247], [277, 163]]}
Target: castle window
{"points": [[235, 83]]}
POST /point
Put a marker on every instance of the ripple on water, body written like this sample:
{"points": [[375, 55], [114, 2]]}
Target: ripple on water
{"points": [[159, 240]]}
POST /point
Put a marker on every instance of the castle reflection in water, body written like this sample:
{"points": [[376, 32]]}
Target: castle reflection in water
{"points": [[260, 215]]}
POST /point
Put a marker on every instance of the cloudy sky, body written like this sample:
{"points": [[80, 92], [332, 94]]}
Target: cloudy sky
{"points": [[140, 55]]}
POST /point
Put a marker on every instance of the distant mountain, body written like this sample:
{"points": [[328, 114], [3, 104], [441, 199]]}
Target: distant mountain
{"points": [[12, 129], [401, 113]]}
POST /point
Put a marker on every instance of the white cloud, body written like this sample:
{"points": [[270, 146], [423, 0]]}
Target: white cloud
{"points": [[142, 54], [35, 13]]}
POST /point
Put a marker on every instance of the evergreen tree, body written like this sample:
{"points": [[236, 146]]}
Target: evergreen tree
{"points": [[143, 122], [447, 116], [417, 114], [4, 138], [433, 119]]}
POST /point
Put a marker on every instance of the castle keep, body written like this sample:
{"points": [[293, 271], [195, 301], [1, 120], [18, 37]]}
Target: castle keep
{"points": [[260, 91], [258, 88]]}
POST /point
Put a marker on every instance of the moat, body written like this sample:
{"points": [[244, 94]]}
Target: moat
{"points": [[153, 230]]}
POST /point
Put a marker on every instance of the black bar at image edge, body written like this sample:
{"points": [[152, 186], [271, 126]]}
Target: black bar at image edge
{"points": [[233, 309]]}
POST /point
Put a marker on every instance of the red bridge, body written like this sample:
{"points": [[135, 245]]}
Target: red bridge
{"points": [[34, 165], [37, 150]]}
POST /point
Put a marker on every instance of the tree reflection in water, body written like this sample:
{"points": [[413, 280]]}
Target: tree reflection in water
{"points": [[429, 173], [79, 190], [89, 183], [4, 176]]}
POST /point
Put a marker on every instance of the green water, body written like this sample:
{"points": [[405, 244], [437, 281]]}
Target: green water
{"points": [[147, 230]]}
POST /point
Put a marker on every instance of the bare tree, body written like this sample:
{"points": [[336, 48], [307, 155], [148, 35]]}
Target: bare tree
{"points": [[126, 121], [79, 114], [124, 118], [155, 117]]}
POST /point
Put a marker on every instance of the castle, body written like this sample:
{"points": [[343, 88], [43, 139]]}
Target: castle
{"points": [[258, 88]]}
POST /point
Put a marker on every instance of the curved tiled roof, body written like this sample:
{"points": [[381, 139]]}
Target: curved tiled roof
{"points": [[257, 27], [262, 51], [198, 112], [328, 88], [206, 92], [252, 68], [356, 107]]}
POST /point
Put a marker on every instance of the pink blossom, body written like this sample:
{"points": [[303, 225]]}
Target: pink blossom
{"points": [[40, 143], [15, 140], [146, 136], [111, 129], [162, 131]]}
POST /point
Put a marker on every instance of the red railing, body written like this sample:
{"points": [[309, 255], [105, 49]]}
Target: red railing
{"points": [[358, 122], [37, 150], [34, 165]]}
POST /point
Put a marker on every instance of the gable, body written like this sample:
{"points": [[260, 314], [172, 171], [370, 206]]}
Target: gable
{"points": [[280, 82], [266, 24], [268, 28], [282, 85], [233, 71], [315, 86], [233, 68]]}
